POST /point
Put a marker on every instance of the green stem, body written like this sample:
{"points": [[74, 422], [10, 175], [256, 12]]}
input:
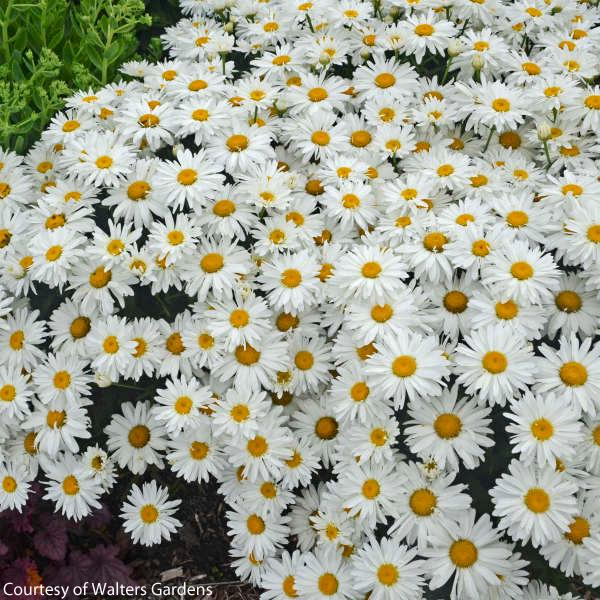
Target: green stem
{"points": [[309, 21], [487, 143], [125, 386], [446, 70], [5, 22], [547, 153], [104, 73]]}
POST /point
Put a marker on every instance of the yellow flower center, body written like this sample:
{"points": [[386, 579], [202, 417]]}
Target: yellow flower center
{"points": [[387, 574], [445, 170], [54, 253], [304, 360], [247, 355], [239, 413], [187, 176], [542, 429], [55, 419], [16, 340], [578, 530], [115, 247], [212, 262], [198, 450], [268, 490], [455, 301], [404, 366], [61, 380], [463, 553], [224, 208], [206, 341], [197, 85], [174, 343], [371, 270], [378, 437], [435, 241], [257, 446], [573, 374], [507, 310], [104, 162], [148, 120], [286, 321], [281, 60], [424, 29], [360, 138], [71, 125], [149, 514], [447, 426], [100, 278], [537, 500], [288, 587], [139, 436], [317, 94], [501, 105], [351, 201], [237, 143], [70, 485], [326, 428], [111, 344], [568, 301], [385, 80], [593, 102], [517, 218], [320, 138], [328, 584], [183, 405], [382, 313], [359, 391], [494, 362], [9, 484], [138, 190], [423, 502], [593, 234], [291, 278], [521, 270], [8, 392], [55, 221], [371, 489], [464, 219], [80, 327], [295, 461]]}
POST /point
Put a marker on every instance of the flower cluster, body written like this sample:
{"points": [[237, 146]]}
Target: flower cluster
{"points": [[380, 222]]}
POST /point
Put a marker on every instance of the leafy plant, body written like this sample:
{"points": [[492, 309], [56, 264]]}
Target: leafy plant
{"points": [[51, 47]]}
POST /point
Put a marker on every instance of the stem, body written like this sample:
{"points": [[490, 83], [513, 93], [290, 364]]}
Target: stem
{"points": [[125, 386], [446, 70], [224, 61], [163, 306], [547, 153], [104, 73], [487, 143], [309, 21], [5, 22]]}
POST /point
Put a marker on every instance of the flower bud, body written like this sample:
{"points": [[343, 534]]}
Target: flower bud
{"points": [[478, 62], [102, 380], [455, 47], [544, 131], [324, 59]]}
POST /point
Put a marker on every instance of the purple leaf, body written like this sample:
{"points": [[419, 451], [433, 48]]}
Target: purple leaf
{"points": [[51, 541]]}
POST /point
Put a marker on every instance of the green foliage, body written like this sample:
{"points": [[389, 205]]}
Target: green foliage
{"points": [[49, 48]]}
